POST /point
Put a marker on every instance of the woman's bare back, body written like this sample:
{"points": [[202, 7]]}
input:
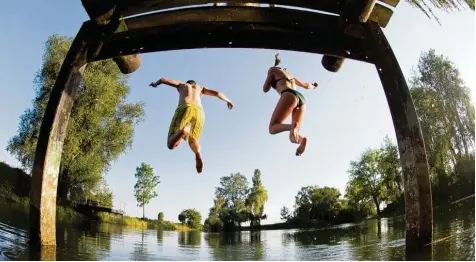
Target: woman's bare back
{"points": [[286, 79]]}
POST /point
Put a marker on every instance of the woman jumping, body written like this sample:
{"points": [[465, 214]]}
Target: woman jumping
{"points": [[290, 102]]}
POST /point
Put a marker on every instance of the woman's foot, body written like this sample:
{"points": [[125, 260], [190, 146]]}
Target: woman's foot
{"points": [[199, 162], [294, 133], [301, 147]]}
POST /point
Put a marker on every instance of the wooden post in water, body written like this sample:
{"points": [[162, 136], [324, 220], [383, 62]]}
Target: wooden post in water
{"points": [[416, 175], [50, 142]]}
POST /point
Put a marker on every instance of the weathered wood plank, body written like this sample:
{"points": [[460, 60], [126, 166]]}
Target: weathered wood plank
{"points": [[234, 35], [271, 16], [381, 15], [413, 158], [215, 26], [354, 13], [53, 129], [393, 3], [105, 15], [134, 7]]}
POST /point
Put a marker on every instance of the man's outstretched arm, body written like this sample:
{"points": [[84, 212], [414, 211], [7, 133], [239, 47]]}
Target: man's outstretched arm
{"points": [[166, 81], [220, 95]]}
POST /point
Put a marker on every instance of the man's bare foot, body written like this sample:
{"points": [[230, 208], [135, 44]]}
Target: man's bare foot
{"points": [[186, 131], [294, 133], [199, 162], [301, 147]]}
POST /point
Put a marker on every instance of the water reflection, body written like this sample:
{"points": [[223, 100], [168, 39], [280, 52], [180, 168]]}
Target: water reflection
{"points": [[191, 239], [140, 249], [381, 239]]}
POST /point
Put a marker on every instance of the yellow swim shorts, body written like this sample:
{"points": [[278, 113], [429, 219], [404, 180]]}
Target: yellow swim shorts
{"points": [[188, 113]]}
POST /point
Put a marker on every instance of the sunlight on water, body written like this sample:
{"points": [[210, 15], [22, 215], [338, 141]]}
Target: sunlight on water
{"points": [[370, 240]]}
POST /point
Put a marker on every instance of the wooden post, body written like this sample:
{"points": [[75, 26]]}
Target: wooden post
{"points": [[105, 15], [354, 12], [49, 148], [416, 175]]}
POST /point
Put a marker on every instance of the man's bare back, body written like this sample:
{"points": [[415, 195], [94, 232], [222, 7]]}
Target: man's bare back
{"points": [[191, 94]]}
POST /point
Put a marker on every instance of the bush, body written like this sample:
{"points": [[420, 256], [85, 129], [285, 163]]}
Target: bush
{"points": [[68, 215], [121, 220]]}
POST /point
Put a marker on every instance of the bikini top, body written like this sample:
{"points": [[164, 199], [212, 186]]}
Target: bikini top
{"points": [[275, 81]]}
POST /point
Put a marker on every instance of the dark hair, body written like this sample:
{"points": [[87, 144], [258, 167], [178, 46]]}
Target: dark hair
{"points": [[277, 60], [192, 82]]}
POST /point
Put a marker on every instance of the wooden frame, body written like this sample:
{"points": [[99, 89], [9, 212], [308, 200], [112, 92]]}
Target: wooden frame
{"points": [[224, 27]]}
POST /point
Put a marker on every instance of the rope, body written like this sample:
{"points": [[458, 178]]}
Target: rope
{"points": [[326, 84]]}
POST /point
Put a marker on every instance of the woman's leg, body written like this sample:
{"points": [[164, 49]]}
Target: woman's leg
{"points": [[297, 118], [283, 109]]}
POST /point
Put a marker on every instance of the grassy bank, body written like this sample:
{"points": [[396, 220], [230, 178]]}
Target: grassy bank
{"points": [[167, 225], [121, 220], [63, 214]]}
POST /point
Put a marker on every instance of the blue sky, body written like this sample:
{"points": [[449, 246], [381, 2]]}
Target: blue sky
{"points": [[345, 115]]}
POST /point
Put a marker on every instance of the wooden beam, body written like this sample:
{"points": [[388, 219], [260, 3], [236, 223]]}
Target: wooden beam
{"points": [[381, 15], [101, 12], [105, 14], [354, 13], [243, 27], [286, 18], [234, 35], [135, 7], [53, 129], [413, 158], [393, 3]]}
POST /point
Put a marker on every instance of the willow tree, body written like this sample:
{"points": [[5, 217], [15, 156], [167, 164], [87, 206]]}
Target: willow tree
{"points": [[100, 128], [447, 119], [446, 5], [257, 197]]}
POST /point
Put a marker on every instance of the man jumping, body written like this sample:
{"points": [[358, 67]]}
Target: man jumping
{"points": [[189, 117]]}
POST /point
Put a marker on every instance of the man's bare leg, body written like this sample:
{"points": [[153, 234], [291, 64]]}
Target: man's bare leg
{"points": [[195, 146], [174, 140], [301, 147]]}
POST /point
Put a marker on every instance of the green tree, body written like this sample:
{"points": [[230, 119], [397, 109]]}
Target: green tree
{"points": [[101, 126], [144, 189], [160, 217], [365, 174], [313, 202], [445, 109], [233, 190], [182, 217], [446, 113], [303, 203], [216, 216], [191, 217], [390, 169], [103, 194], [257, 197], [285, 214], [325, 201]]}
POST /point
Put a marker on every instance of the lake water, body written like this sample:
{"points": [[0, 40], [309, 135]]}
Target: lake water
{"points": [[371, 240]]}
